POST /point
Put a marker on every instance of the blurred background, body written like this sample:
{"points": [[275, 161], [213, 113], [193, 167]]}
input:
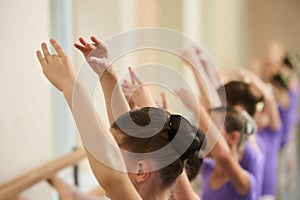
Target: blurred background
{"points": [[35, 123]]}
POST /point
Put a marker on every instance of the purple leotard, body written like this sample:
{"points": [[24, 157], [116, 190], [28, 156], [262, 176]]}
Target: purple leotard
{"points": [[269, 143], [253, 162], [227, 190], [289, 116]]}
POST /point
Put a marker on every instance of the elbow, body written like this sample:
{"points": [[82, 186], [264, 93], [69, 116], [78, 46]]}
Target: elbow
{"points": [[275, 126], [223, 156], [108, 183]]}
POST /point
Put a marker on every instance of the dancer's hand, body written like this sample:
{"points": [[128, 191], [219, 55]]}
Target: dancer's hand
{"points": [[136, 92], [95, 53], [56, 67]]}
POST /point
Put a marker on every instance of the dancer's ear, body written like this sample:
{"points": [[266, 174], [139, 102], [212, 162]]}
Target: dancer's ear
{"points": [[142, 173]]}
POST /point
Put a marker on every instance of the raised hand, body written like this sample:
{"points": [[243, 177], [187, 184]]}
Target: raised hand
{"points": [[202, 57], [188, 99], [206, 78], [249, 76], [164, 103], [56, 67], [129, 88], [199, 63], [95, 53], [191, 56], [136, 92]]}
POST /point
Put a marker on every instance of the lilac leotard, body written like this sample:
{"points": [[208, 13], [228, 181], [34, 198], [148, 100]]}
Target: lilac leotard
{"points": [[253, 162], [289, 117], [269, 143], [227, 190]]}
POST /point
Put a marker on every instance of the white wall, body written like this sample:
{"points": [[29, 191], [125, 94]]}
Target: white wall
{"points": [[25, 111], [280, 21], [224, 33]]}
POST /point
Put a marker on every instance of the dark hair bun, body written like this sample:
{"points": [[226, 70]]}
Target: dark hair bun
{"points": [[253, 93], [237, 120], [149, 129], [281, 80], [192, 166], [291, 60], [245, 94], [187, 135]]}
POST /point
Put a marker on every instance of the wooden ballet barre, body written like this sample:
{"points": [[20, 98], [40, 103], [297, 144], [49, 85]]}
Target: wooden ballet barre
{"points": [[14, 187]]}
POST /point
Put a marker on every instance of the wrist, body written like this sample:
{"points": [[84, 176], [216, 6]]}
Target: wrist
{"points": [[68, 87], [108, 72]]}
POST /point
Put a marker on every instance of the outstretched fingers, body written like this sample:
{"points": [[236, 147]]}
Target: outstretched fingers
{"points": [[164, 101], [134, 77], [126, 88], [80, 47], [45, 51], [95, 40], [82, 41], [41, 58], [131, 76], [58, 48]]}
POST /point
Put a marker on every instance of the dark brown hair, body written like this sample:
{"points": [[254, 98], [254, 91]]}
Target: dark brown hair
{"points": [[140, 134], [282, 78], [291, 60], [192, 166], [235, 121], [241, 93]]}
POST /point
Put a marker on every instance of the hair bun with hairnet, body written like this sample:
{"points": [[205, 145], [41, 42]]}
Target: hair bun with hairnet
{"points": [[183, 134]]}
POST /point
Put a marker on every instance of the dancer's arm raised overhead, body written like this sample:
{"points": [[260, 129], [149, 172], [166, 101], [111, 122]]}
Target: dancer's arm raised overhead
{"points": [[270, 104], [219, 147], [97, 56], [59, 71], [205, 85]]}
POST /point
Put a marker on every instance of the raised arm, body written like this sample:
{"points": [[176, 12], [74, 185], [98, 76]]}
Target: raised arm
{"points": [[269, 98], [141, 96], [96, 54], [219, 147], [213, 75], [208, 92], [59, 71]]}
